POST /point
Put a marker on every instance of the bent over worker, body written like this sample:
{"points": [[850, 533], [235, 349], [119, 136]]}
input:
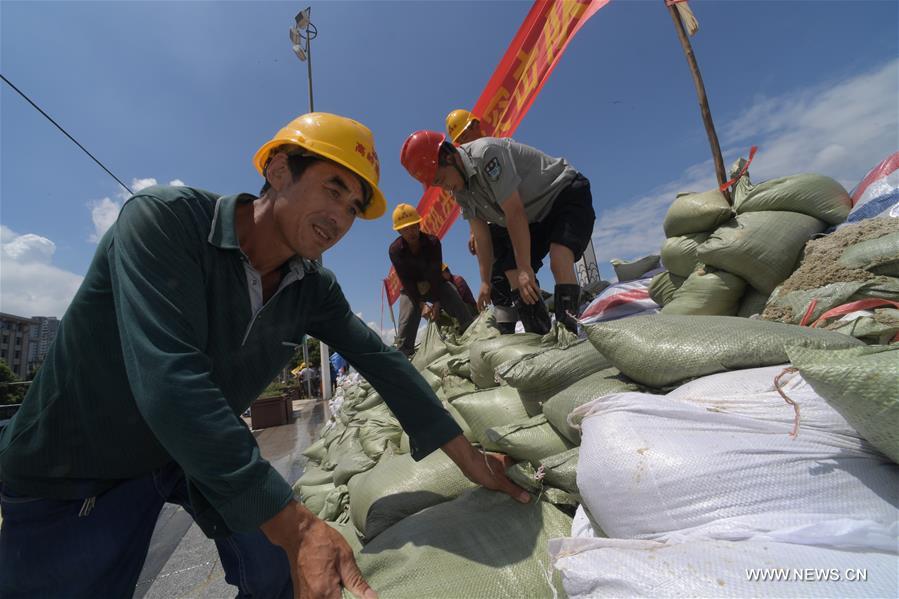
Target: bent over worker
{"points": [[190, 308], [462, 126], [541, 204], [417, 258]]}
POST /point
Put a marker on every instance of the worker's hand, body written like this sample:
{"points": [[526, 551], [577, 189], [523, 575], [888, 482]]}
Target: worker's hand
{"points": [[321, 560], [472, 246], [527, 286], [484, 297], [435, 310], [485, 469]]}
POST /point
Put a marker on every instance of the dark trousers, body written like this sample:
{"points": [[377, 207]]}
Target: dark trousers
{"points": [[410, 314], [96, 548]]}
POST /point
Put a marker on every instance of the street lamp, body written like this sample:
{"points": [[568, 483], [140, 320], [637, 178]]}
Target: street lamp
{"points": [[301, 34]]}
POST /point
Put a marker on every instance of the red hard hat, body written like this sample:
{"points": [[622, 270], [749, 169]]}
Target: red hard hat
{"points": [[419, 155]]}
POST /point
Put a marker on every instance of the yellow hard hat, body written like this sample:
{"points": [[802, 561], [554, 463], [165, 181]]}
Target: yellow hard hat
{"points": [[405, 215], [457, 121], [337, 138]]}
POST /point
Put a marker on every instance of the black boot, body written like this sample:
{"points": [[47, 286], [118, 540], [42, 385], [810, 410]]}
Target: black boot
{"points": [[534, 317], [567, 302], [506, 328]]}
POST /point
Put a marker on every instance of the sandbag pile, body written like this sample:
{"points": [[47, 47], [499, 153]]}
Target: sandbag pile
{"points": [[698, 488], [847, 281], [724, 260], [418, 527]]}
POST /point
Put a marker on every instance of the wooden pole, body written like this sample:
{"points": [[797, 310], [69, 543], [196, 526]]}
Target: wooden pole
{"points": [[703, 99]]}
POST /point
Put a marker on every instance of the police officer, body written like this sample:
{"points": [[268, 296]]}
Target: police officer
{"points": [[541, 204], [462, 127]]}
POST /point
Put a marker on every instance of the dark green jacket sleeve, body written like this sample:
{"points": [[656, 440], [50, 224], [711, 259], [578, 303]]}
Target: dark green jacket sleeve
{"points": [[157, 280], [407, 394]]}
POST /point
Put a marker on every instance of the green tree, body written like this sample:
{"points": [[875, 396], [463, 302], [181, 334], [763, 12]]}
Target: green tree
{"points": [[9, 393]]}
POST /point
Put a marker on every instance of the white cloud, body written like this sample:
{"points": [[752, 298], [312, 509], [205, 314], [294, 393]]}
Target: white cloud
{"points": [[840, 129], [29, 283], [105, 211], [387, 335], [103, 214]]}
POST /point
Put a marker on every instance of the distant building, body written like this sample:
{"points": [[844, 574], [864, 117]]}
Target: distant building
{"points": [[24, 342], [45, 329], [15, 338]]}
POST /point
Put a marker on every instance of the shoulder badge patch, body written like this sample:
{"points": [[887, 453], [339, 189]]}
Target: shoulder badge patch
{"points": [[493, 170]]}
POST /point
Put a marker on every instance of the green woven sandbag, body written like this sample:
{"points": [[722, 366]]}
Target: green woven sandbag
{"points": [[763, 248], [438, 366], [483, 545], [486, 355], [351, 462], [540, 376], [315, 476], [561, 470], [398, 487], [431, 379], [532, 439], [492, 407], [377, 432], [879, 329], [371, 400], [752, 303], [431, 347], [696, 213], [793, 305], [679, 253], [814, 195], [453, 386], [459, 366], [661, 349], [334, 504], [707, 291], [880, 256], [584, 391], [862, 384], [313, 496], [662, 287], [316, 451]]}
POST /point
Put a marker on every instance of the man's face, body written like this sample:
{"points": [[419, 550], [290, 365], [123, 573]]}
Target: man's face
{"points": [[316, 210], [410, 233], [449, 178], [471, 133]]}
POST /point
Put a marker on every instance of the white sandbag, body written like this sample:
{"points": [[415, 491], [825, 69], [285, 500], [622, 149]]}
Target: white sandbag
{"points": [[655, 468], [624, 568]]}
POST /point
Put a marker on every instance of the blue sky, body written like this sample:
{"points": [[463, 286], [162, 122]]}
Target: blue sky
{"points": [[187, 91]]}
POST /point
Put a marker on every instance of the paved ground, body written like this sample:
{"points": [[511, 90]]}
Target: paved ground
{"points": [[182, 562]]}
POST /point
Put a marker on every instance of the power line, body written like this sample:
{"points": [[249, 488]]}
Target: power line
{"points": [[58, 126]]}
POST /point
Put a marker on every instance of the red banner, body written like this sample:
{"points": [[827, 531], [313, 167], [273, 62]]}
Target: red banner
{"points": [[531, 57]]}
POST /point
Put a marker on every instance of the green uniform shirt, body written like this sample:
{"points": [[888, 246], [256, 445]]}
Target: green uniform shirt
{"points": [[495, 168], [164, 346]]}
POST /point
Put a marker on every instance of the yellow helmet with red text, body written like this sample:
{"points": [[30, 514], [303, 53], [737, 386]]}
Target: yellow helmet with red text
{"points": [[338, 139]]}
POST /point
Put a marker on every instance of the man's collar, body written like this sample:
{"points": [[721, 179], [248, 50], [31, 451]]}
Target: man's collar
{"points": [[223, 233]]}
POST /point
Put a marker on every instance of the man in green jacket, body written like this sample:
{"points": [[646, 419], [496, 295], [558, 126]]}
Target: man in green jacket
{"points": [[190, 307]]}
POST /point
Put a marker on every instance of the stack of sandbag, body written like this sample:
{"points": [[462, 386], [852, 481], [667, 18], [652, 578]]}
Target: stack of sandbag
{"points": [[848, 281], [727, 261], [480, 545], [699, 487]]}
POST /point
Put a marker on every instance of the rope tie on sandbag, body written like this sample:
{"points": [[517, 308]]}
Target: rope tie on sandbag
{"points": [[548, 576], [795, 432], [743, 170]]}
